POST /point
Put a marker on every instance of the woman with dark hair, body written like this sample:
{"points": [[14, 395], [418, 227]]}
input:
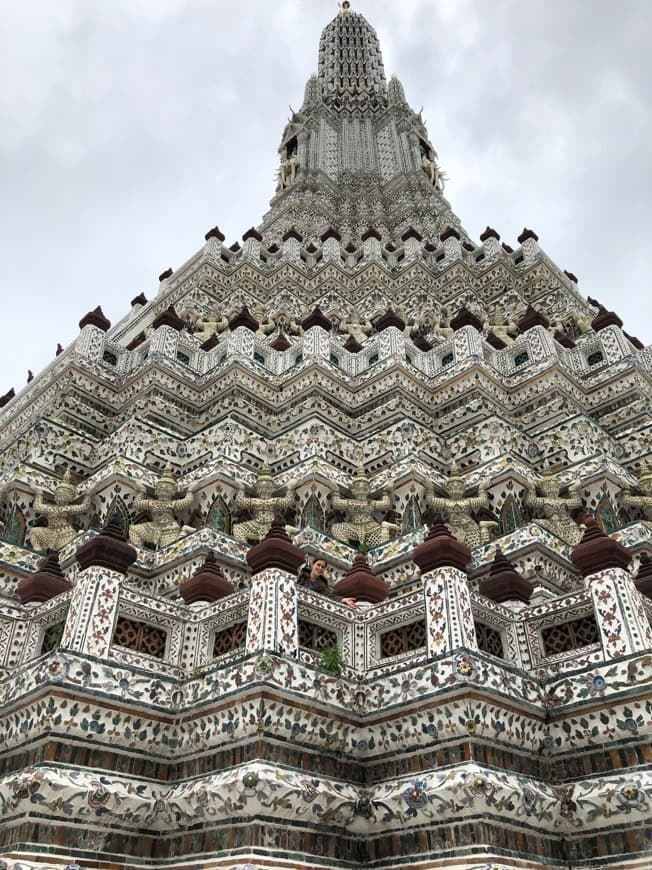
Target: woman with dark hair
{"points": [[313, 577]]}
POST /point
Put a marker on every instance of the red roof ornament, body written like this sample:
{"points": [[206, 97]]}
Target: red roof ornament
{"points": [[109, 550], [207, 584], [276, 550], [504, 583], [169, 317], [95, 318], [46, 583], [244, 318], [441, 549], [596, 551], [361, 583]]}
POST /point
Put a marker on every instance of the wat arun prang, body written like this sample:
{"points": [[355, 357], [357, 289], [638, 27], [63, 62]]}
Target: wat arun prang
{"points": [[450, 425]]}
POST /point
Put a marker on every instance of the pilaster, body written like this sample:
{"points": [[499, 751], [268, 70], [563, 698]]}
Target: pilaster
{"points": [[619, 613], [449, 617], [93, 612], [272, 621]]}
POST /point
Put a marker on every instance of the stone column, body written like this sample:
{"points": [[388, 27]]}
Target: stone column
{"points": [[93, 608], [94, 604], [90, 342], [332, 249], [273, 623], [391, 342], [213, 246], [619, 613], [292, 245], [371, 245], [449, 617], [452, 244], [251, 245], [529, 242]]}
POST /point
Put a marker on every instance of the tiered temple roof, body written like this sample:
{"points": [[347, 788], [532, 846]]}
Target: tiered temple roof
{"points": [[450, 424]]}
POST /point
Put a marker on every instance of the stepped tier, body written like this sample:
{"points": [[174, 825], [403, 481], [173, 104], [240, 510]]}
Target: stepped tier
{"points": [[182, 687]]}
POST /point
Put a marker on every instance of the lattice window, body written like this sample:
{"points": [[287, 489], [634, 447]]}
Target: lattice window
{"points": [[447, 359], [52, 637], [314, 636], [521, 358], [109, 358], [229, 639], [406, 638], [489, 640], [335, 359], [570, 635], [594, 358], [183, 358], [140, 637]]}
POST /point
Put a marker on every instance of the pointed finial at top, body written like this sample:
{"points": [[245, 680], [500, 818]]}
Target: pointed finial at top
{"points": [[345, 6]]}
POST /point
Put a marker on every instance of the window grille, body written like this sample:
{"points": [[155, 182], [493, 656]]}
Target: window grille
{"points": [[521, 358], [447, 359], [140, 637], [110, 358], [489, 640], [52, 637], [314, 636], [183, 358], [406, 638], [230, 639], [570, 635], [594, 358]]}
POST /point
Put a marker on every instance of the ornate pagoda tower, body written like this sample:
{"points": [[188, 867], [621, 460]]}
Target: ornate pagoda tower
{"points": [[449, 425]]}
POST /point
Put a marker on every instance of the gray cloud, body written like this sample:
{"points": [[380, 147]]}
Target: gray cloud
{"points": [[127, 129]]}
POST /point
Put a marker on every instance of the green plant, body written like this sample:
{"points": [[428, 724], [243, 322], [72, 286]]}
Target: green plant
{"points": [[331, 660]]}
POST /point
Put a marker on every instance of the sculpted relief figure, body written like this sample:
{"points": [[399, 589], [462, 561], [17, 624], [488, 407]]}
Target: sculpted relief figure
{"points": [[556, 510], [433, 173], [505, 330], [287, 172], [423, 325], [163, 529], [459, 510], [59, 530], [356, 328], [644, 501], [264, 505], [362, 527], [279, 320], [213, 324]]}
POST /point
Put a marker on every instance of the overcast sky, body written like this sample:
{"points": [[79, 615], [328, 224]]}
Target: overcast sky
{"points": [[130, 127]]}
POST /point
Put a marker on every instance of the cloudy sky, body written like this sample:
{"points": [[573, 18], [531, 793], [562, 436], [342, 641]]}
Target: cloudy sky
{"points": [[130, 127]]}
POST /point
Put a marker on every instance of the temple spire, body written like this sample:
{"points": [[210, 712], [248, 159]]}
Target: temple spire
{"points": [[356, 155], [351, 71]]}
